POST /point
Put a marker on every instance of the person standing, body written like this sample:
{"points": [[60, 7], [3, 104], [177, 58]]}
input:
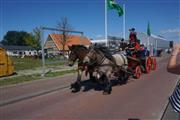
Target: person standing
{"points": [[174, 67]]}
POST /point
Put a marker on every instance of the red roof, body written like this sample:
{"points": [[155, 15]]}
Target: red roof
{"points": [[71, 40]]}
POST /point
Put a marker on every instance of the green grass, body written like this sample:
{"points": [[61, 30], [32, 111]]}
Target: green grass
{"points": [[25, 63], [53, 74], [19, 79], [26, 78], [30, 63]]}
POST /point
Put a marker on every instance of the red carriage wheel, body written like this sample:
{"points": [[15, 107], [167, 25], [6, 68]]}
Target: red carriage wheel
{"points": [[154, 64], [137, 72], [148, 65]]}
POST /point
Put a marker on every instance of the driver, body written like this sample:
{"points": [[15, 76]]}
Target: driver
{"points": [[133, 41], [132, 36]]}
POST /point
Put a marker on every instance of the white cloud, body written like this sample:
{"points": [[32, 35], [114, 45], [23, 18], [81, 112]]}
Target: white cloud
{"points": [[176, 30], [99, 36], [171, 34]]}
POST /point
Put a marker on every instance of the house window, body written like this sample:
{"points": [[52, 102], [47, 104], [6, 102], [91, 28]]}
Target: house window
{"points": [[20, 53], [15, 52], [53, 45]]}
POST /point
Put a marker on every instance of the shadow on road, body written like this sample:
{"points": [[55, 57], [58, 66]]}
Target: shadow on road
{"points": [[133, 119], [97, 86]]}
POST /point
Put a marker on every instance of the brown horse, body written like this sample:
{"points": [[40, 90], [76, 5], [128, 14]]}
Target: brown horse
{"points": [[106, 64], [78, 52]]}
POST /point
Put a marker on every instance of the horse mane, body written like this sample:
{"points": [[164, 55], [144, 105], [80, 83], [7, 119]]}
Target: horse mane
{"points": [[75, 47], [105, 51]]}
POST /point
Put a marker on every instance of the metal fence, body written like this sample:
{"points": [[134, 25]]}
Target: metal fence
{"points": [[48, 60]]}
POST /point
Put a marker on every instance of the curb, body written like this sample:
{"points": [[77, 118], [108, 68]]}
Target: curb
{"points": [[38, 80], [31, 95]]}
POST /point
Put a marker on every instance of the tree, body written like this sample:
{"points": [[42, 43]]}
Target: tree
{"points": [[23, 38], [31, 41], [37, 36], [15, 38], [64, 25]]}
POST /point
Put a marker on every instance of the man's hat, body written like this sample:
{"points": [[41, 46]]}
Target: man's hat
{"points": [[132, 29]]}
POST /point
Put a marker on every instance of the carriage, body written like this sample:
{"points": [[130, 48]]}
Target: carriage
{"points": [[105, 64], [140, 61], [141, 64]]}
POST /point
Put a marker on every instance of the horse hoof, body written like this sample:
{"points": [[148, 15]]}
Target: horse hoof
{"points": [[72, 86], [76, 87], [75, 90], [105, 93]]}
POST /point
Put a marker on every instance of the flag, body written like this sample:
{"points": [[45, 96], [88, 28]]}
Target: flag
{"points": [[112, 5], [148, 30]]}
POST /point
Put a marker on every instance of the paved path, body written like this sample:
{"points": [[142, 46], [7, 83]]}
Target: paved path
{"points": [[145, 98], [14, 92]]}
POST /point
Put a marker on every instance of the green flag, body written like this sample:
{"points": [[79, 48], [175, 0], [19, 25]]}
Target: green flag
{"points": [[112, 5], [148, 30]]}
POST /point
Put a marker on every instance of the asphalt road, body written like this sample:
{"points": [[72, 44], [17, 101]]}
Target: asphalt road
{"points": [[144, 98]]}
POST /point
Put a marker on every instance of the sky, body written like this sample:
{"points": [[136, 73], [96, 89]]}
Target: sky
{"points": [[88, 16]]}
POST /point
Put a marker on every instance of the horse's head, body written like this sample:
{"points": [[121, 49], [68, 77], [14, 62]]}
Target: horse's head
{"points": [[77, 52], [72, 56]]}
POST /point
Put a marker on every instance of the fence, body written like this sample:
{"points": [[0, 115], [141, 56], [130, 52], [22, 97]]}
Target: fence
{"points": [[49, 61]]}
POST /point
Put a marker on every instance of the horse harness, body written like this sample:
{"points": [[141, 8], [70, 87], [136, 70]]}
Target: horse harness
{"points": [[95, 63]]}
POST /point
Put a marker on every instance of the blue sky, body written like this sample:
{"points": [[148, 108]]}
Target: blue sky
{"points": [[88, 16]]}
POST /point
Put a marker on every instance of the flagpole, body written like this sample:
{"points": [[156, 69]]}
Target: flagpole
{"points": [[148, 43], [105, 21], [156, 48], [149, 34], [124, 21]]}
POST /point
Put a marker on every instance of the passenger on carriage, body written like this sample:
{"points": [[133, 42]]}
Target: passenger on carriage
{"points": [[132, 35], [133, 41], [143, 51], [123, 45]]}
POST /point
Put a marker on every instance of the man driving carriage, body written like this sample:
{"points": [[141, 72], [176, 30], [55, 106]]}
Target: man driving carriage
{"points": [[132, 35], [134, 43]]}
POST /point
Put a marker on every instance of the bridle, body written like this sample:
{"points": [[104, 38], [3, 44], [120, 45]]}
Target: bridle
{"points": [[74, 57]]}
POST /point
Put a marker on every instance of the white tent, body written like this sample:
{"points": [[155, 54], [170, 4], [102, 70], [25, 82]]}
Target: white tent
{"points": [[161, 42]]}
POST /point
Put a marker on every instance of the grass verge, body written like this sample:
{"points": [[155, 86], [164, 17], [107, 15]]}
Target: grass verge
{"points": [[26, 78], [30, 63]]}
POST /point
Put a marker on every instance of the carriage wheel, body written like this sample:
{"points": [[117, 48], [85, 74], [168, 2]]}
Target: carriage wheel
{"points": [[137, 72], [148, 65], [154, 64]]}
